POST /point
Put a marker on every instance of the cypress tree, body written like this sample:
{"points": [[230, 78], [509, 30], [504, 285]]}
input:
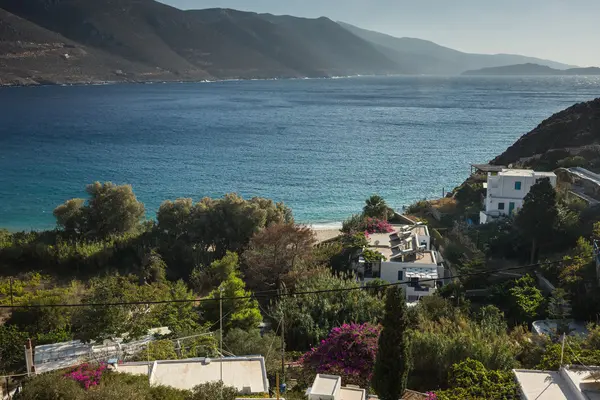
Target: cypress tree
{"points": [[393, 358]]}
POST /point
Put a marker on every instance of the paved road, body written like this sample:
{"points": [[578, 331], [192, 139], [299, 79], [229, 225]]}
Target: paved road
{"points": [[585, 174]]}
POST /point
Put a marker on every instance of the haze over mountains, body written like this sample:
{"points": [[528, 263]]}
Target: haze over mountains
{"points": [[533, 69], [83, 41]]}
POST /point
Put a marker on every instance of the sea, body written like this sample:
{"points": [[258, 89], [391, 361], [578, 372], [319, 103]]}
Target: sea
{"points": [[321, 146]]}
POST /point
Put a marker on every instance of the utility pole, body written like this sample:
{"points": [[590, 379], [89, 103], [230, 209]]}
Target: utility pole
{"points": [[221, 321], [221, 335], [562, 350], [282, 291], [282, 348]]}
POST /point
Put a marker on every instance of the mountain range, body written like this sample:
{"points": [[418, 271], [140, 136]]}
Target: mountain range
{"points": [[533, 69], [84, 41]]}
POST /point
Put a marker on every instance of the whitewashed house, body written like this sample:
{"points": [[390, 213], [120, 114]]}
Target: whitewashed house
{"points": [[506, 191], [329, 387], [408, 258]]}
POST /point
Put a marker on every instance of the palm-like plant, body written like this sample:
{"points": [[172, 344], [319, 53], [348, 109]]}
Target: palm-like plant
{"points": [[376, 207]]}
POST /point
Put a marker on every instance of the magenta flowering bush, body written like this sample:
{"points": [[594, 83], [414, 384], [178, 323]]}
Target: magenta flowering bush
{"points": [[87, 375], [431, 396], [348, 351], [374, 225]]}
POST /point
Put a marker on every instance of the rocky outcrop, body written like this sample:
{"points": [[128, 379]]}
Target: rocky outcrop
{"points": [[574, 132]]}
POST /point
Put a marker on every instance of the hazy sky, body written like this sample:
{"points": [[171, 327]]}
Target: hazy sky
{"points": [[561, 30]]}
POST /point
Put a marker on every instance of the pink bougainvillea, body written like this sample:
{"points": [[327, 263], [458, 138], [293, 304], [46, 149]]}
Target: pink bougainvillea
{"points": [[374, 225], [348, 351], [431, 396], [87, 375]]}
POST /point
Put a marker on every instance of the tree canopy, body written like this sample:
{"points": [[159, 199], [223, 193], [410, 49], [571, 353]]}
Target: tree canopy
{"points": [[393, 355], [274, 252], [111, 210], [239, 309], [309, 318], [376, 207], [538, 216]]}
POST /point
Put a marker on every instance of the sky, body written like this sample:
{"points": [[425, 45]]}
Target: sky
{"points": [[561, 30]]}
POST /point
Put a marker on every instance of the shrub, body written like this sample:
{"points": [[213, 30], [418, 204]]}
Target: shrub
{"points": [[51, 386], [469, 379], [86, 375], [375, 225], [212, 391], [348, 351]]}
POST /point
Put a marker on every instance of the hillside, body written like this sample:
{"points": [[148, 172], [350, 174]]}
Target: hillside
{"points": [[424, 57], [532, 69], [574, 132], [81, 41], [130, 40]]}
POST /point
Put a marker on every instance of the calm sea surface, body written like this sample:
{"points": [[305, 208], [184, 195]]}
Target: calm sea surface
{"points": [[320, 146]]}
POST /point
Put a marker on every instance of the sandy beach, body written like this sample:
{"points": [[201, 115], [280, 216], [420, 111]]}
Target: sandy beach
{"points": [[325, 233]]}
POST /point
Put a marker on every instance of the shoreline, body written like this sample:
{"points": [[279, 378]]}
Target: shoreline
{"points": [[315, 226], [159, 82]]}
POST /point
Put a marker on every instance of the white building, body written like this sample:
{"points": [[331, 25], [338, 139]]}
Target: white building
{"points": [[569, 383], [408, 258], [329, 387], [507, 189], [247, 374]]}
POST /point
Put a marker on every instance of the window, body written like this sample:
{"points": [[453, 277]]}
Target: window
{"points": [[500, 206], [400, 275], [518, 185]]}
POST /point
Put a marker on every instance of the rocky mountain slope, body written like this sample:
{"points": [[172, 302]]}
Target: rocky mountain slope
{"points": [[84, 41], [568, 138], [81, 40], [419, 56]]}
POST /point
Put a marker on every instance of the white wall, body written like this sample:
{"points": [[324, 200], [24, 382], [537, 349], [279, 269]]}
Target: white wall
{"points": [[389, 273], [501, 189]]}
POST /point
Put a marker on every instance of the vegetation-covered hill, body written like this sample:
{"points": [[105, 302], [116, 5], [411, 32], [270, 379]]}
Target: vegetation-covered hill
{"points": [[146, 40], [533, 69], [557, 141], [80, 41]]}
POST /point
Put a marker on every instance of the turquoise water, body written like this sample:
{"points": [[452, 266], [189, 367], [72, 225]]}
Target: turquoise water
{"points": [[320, 146]]}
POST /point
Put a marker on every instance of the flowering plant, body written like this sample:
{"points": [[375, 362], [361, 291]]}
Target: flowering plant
{"points": [[431, 396], [374, 225], [348, 351], [86, 374]]}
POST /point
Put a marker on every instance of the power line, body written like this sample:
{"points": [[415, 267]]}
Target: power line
{"points": [[278, 295]]}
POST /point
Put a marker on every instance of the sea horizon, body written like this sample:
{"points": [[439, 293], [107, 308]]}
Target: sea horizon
{"points": [[321, 146]]}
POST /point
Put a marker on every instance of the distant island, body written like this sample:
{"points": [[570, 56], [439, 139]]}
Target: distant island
{"points": [[83, 41], [533, 69]]}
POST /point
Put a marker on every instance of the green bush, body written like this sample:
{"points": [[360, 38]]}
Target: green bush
{"points": [[51, 386], [470, 380], [212, 391]]}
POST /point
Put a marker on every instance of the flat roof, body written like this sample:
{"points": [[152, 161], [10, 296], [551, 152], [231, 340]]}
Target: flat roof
{"points": [[542, 385], [488, 167], [383, 239], [525, 173], [247, 374], [547, 326], [581, 379], [350, 393], [426, 257], [50, 357], [325, 385]]}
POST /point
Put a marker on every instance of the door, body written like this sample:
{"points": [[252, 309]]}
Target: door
{"points": [[511, 208]]}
